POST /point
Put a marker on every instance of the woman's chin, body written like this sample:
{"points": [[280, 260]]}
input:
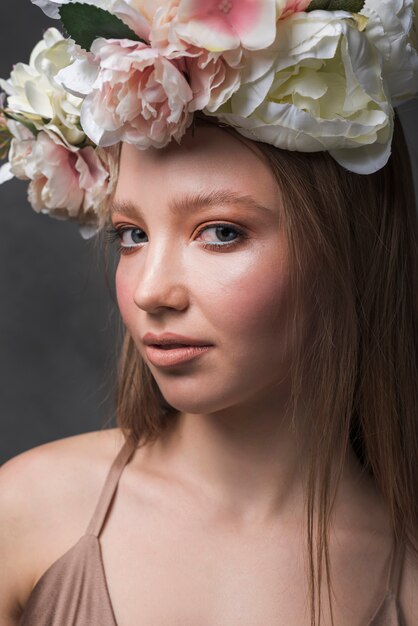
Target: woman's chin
{"points": [[196, 402]]}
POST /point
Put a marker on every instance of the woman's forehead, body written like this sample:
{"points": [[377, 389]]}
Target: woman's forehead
{"points": [[206, 158]]}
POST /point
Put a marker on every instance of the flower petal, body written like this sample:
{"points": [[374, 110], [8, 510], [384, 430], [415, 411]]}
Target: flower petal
{"points": [[38, 100], [213, 34], [255, 23], [219, 25], [390, 27], [6, 173], [78, 78]]}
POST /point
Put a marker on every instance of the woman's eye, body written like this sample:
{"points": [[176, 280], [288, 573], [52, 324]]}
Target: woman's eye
{"points": [[126, 237], [221, 235], [216, 236], [131, 237]]}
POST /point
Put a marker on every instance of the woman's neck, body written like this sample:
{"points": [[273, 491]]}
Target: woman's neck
{"points": [[245, 460], [247, 464]]}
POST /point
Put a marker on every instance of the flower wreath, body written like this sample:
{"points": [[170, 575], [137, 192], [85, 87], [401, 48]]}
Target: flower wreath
{"points": [[307, 75]]}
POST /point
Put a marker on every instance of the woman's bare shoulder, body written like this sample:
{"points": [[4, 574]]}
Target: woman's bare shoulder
{"points": [[47, 496], [52, 468]]}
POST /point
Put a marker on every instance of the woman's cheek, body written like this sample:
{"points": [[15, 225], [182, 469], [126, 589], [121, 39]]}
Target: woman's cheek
{"points": [[252, 291]]}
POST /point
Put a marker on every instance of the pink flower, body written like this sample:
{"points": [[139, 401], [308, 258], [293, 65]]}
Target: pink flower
{"points": [[54, 177], [219, 25], [163, 36], [135, 95], [294, 6], [213, 78], [64, 182]]}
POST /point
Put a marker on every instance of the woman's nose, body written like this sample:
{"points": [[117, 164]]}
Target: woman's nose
{"points": [[161, 280]]}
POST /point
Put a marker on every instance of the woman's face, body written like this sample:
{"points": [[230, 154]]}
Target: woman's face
{"points": [[198, 263]]}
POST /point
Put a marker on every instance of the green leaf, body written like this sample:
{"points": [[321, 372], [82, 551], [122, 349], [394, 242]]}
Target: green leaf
{"points": [[17, 117], [5, 141], [84, 23], [353, 6]]}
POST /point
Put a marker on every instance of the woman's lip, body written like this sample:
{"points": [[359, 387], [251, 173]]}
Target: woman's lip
{"points": [[163, 357], [168, 338]]}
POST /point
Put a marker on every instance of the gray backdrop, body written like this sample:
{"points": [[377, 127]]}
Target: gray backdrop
{"points": [[58, 318]]}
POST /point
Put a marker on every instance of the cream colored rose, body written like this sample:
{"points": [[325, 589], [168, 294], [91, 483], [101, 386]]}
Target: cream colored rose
{"points": [[318, 87], [391, 29], [34, 93]]}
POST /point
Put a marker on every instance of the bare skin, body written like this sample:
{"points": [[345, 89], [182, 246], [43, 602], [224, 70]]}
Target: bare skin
{"points": [[171, 555], [207, 524]]}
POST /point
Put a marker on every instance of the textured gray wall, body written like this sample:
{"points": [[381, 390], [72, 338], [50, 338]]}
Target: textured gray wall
{"points": [[57, 316]]}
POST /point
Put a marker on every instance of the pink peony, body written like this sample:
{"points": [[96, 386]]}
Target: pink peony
{"points": [[163, 36], [64, 182], [54, 177], [213, 78], [137, 95]]}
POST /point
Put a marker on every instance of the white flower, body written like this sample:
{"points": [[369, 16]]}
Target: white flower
{"points": [[20, 150], [34, 93], [50, 7], [391, 29], [133, 94], [318, 87], [5, 173]]}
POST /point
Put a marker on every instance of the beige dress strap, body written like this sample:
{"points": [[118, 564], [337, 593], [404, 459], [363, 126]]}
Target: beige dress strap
{"points": [[109, 488]]}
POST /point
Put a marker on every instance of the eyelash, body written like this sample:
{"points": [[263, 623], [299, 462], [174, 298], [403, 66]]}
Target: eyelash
{"points": [[115, 234]]}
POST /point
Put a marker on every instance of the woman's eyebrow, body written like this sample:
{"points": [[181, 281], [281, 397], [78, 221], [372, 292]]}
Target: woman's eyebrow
{"points": [[215, 198], [184, 204]]}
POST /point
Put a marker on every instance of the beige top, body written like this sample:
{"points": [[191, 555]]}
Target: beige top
{"points": [[73, 590]]}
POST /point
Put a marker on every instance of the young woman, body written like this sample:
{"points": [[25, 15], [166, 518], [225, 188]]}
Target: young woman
{"points": [[264, 470]]}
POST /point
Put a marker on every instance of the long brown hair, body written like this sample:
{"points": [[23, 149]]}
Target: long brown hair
{"points": [[359, 372]]}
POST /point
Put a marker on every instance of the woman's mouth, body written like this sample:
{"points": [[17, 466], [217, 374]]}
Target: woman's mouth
{"points": [[169, 355]]}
